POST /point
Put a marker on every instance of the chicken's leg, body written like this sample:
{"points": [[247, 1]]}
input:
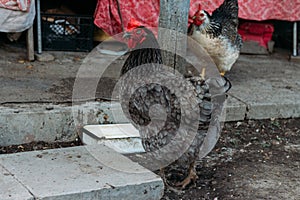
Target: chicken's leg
{"points": [[163, 176], [192, 176], [222, 73], [168, 186], [203, 71]]}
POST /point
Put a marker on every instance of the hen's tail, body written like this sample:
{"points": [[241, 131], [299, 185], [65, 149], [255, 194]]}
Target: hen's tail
{"points": [[227, 12]]}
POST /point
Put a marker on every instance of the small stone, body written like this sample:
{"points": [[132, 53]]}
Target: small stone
{"points": [[238, 124], [275, 142], [21, 61], [39, 156], [76, 59], [29, 67], [49, 108], [44, 57]]}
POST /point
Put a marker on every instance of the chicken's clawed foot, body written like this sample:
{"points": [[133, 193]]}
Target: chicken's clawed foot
{"points": [[191, 177], [168, 186]]}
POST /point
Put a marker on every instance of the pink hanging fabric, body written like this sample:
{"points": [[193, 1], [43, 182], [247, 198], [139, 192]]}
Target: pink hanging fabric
{"points": [[147, 11], [20, 5]]}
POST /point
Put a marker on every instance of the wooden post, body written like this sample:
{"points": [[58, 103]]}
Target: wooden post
{"points": [[174, 16], [30, 44]]}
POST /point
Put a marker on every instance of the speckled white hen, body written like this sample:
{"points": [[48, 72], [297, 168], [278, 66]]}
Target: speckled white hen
{"points": [[218, 34]]}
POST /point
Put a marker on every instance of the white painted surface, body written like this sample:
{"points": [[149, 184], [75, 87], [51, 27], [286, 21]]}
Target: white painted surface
{"points": [[123, 138], [113, 131]]}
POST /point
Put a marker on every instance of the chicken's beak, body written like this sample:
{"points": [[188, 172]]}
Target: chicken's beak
{"points": [[126, 35]]}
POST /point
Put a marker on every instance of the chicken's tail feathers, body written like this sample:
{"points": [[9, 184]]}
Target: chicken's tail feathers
{"points": [[228, 10]]}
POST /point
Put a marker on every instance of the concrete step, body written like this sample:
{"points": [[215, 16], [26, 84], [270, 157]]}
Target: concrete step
{"points": [[24, 123], [85, 172]]}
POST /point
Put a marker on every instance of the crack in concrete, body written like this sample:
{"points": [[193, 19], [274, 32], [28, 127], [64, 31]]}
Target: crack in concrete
{"points": [[243, 102], [19, 181]]}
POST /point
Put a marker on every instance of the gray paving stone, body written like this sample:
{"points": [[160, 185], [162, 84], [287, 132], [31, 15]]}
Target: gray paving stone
{"points": [[268, 85], [235, 109], [10, 188], [86, 172], [264, 101]]}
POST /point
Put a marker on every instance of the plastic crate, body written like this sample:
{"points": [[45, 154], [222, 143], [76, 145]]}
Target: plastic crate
{"points": [[67, 32], [259, 32]]}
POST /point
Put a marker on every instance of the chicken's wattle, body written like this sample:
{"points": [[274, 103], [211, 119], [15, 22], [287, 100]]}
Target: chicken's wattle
{"points": [[198, 22]]}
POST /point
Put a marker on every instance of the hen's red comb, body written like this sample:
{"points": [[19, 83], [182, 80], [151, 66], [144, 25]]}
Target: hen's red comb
{"points": [[133, 23], [199, 8]]}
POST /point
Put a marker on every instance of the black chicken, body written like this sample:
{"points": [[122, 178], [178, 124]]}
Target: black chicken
{"points": [[142, 99], [218, 34]]}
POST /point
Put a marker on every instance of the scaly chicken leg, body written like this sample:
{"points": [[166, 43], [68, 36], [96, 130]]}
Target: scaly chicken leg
{"points": [[192, 176], [163, 176]]}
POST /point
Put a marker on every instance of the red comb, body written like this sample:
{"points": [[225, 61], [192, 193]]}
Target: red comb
{"points": [[133, 23], [199, 8]]}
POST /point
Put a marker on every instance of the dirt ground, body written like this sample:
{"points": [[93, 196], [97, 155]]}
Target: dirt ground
{"points": [[253, 160]]}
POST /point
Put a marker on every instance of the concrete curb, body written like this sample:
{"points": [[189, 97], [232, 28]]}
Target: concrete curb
{"points": [[23, 123]]}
